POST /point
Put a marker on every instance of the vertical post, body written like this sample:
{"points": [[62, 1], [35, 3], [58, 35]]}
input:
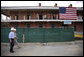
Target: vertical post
{"points": [[43, 17], [38, 17], [10, 17], [29, 17], [57, 16], [44, 40], [15, 17], [24, 17], [23, 38]]}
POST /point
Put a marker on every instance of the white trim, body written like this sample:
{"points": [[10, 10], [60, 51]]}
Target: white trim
{"points": [[33, 7], [39, 20]]}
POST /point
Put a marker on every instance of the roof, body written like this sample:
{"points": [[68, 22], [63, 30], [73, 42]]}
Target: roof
{"points": [[32, 7]]}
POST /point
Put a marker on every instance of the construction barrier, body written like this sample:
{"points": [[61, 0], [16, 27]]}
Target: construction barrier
{"points": [[40, 34]]}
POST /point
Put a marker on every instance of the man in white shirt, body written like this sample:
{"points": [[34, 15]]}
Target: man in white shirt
{"points": [[11, 38]]}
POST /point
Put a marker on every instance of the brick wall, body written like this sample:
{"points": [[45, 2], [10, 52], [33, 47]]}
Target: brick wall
{"points": [[12, 24], [12, 14], [22, 25], [33, 14], [21, 15], [79, 27]]}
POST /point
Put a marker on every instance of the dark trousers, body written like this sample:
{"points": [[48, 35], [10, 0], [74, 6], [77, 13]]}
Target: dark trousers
{"points": [[11, 45]]}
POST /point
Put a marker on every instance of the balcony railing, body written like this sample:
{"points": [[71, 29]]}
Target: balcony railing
{"points": [[40, 20]]}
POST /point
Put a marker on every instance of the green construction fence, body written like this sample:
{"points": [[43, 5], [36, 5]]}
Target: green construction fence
{"points": [[40, 34]]}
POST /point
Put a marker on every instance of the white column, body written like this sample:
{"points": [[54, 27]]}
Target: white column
{"points": [[38, 17], [57, 16], [23, 38], [29, 17], [51, 17], [43, 17], [10, 18], [24, 17], [15, 17]]}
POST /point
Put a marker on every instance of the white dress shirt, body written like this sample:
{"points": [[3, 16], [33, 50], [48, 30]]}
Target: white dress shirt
{"points": [[11, 35]]}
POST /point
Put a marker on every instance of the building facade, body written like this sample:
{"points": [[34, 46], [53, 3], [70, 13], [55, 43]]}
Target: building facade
{"points": [[39, 17]]}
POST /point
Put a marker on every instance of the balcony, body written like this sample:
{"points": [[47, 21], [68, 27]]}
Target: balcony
{"points": [[42, 20]]}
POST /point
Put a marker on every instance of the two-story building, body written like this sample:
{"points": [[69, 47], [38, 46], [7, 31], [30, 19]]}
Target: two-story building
{"points": [[39, 16]]}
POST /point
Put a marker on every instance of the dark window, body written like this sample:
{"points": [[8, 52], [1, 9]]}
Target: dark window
{"points": [[16, 25], [53, 16], [58, 16], [16, 16], [74, 27], [40, 16], [52, 25], [28, 25], [40, 25], [28, 16], [64, 25]]}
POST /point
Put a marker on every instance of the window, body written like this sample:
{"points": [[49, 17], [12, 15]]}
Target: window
{"points": [[16, 25], [28, 16], [40, 25], [64, 25], [74, 27], [40, 16], [28, 25], [51, 15], [54, 16], [57, 16], [52, 25], [16, 16]]}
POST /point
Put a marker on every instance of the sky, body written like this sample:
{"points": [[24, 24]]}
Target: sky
{"points": [[43, 3]]}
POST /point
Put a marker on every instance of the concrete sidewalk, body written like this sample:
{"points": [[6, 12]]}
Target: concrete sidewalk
{"points": [[50, 49]]}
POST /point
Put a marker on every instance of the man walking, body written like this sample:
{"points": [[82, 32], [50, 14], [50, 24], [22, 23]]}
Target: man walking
{"points": [[11, 38]]}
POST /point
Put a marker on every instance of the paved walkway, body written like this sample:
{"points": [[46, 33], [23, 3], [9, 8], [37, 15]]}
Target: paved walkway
{"points": [[49, 49]]}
